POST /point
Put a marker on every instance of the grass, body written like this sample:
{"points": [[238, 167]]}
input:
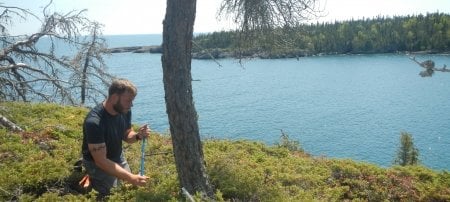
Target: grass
{"points": [[37, 165]]}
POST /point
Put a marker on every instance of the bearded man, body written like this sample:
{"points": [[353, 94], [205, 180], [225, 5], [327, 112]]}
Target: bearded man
{"points": [[105, 128]]}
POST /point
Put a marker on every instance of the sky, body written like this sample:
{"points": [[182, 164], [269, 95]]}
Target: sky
{"points": [[146, 16]]}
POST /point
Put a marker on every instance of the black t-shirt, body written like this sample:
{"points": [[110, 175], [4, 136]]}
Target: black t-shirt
{"points": [[101, 127]]}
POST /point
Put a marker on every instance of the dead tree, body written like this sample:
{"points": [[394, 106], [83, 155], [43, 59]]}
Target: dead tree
{"points": [[429, 67], [33, 67], [90, 68]]}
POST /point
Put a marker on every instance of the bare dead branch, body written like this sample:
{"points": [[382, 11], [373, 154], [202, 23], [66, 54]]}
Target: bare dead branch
{"points": [[268, 14], [208, 52], [9, 12], [429, 66], [28, 72]]}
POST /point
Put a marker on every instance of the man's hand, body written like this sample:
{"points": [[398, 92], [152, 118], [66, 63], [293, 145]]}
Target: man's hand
{"points": [[143, 132], [138, 180], [98, 152], [133, 136]]}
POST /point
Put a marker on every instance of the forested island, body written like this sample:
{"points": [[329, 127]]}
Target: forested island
{"points": [[428, 33]]}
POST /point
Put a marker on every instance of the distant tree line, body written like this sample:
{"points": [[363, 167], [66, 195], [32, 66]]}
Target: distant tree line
{"points": [[430, 33]]}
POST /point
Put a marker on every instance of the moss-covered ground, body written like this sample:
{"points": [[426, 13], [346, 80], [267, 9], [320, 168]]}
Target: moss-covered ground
{"points": [[38, 165]]}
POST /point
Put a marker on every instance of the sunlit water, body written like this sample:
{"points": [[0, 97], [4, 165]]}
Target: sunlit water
{"points": [[336, 106]]}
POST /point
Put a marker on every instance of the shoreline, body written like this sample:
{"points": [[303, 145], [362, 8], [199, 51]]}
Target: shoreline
{"points": [[220, 54]]}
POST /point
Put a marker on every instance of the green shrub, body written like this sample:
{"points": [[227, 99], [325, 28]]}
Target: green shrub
{"points": [[37, 166], [407, 153]]}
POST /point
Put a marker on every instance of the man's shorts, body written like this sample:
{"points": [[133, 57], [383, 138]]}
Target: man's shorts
{"points": [[101, 181]]}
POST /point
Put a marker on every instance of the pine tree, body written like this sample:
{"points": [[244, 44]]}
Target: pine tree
{"points": [[407, 153]]}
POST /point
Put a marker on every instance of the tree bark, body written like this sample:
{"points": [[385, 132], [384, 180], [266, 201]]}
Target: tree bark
{"points": [[176, 62]]}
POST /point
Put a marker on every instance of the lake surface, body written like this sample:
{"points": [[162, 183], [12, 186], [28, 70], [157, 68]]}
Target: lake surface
{"points": [[351, 106]]}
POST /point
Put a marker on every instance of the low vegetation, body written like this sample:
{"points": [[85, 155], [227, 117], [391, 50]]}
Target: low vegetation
{"points": [[38, 165]]}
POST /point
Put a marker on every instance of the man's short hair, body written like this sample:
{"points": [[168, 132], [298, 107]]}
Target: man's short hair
{"points": [[119, 86]]}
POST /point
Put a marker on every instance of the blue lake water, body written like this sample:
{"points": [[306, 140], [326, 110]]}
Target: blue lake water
{"points": [[336, 106]]}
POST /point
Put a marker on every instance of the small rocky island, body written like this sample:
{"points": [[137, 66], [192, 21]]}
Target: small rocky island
{"points": [[136, 49], [210, 54], [215, 53]]}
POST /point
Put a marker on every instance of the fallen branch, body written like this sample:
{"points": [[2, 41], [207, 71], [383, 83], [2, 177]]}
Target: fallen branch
{"points": [[5, 122], [429, 67]]}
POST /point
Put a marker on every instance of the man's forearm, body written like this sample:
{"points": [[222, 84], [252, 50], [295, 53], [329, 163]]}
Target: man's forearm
{"points": [[132, 137], [114, 169]]}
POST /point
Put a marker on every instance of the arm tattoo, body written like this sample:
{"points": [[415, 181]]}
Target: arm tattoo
{"points": [[98, 148]]}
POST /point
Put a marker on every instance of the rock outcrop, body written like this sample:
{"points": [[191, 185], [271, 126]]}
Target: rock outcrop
{"points": [[136, 49]]}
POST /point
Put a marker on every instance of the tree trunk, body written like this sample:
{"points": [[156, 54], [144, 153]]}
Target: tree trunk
{"points": [[176, 62]]}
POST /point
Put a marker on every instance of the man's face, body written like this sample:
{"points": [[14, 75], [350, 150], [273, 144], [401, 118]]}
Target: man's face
{"points": [[123, 103]]}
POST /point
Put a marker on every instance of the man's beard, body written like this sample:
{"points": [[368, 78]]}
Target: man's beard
{"points": [[119, 108]]}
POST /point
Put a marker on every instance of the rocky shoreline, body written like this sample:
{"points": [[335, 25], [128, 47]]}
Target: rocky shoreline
{"points": [[222, 53], [158, 49], [136, 49], [207, 54]]}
